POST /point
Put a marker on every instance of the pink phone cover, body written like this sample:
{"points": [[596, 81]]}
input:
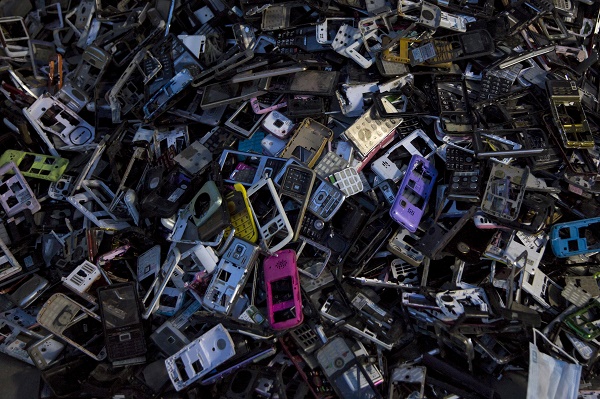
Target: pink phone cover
{"points": [[276, 267]]}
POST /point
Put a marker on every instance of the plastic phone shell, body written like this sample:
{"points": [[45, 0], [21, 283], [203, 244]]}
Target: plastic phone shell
{"points": [[414, 192], [205, 203], [504, 192], [230, 277], [279, 266], [241, 214], [278, 223]]}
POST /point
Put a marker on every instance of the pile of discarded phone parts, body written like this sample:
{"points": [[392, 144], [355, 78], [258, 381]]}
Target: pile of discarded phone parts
{"points": [[247, 199]]}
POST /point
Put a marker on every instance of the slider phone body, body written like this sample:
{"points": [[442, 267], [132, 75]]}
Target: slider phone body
{"points": [[123, 329], [297, 184], [284, 303], [414, 192], [325, 200]]}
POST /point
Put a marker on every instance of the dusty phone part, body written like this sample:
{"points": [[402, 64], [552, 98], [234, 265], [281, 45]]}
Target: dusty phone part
{"points": [[325, 200], [273, 146], [308, 142], [579, 290], [81, 280], [132, 177], [425, 14], [346, 374], [347, 42], [241, 214], [507, 143], [36, 165], [414, 193], [296, 184], [505, 191], [194, 158], [17, 195], [218, 94], [16, 338], [569, 115], [402, 245], [230, 277], [168, 94], [415, 143], [196, 359], [351, 99], [88, 73], [246, 76], [15, 40], [311, 257], [475, 79], [239, 167], [406, 379], [49, 116], [278, 124], [45, 351], [330, 163], [581, 237], [278, 16], [282, 282], [165, 273], [27, 291], [125, 95], [348, 181], [89, 168], [72, 96], [98, 197], [168, 142], [311, 82], [74, 324]]}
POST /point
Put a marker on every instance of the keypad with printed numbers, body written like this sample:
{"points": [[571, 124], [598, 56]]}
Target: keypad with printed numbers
{"points": [[297, 182], [460, 160]]}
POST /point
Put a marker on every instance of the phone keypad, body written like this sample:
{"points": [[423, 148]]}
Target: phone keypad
{"points": [[326, 200], [348, 181], [313, 227], [498, 82], [459, 160], [296, 181], [126, 344], [330, 164]]}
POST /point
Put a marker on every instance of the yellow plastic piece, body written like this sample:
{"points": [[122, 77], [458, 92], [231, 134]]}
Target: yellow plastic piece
{"points": [[241, 215]]}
